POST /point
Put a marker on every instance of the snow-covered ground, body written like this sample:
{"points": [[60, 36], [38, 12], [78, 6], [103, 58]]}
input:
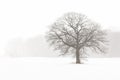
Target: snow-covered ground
{"points": [[36, 68]]}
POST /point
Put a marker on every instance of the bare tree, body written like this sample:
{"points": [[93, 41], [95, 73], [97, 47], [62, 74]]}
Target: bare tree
{"points": [[74, 33]]}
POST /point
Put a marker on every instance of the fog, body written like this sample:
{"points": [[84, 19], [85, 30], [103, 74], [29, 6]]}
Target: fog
{"points": [[31, 47], [24, 23], [38, 47]]}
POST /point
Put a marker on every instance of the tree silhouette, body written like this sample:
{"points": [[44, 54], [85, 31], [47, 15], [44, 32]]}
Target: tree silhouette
{"points": [[74, 33]]}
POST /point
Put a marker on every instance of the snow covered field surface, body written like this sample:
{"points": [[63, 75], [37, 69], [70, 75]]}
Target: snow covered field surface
{"points": [[36, 68]]}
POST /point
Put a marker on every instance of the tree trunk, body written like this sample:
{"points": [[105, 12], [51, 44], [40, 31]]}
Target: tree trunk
{"points": [[77, 57]]}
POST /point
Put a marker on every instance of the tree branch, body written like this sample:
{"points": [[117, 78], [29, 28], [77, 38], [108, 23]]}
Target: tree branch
{"points": [[64, 41]]}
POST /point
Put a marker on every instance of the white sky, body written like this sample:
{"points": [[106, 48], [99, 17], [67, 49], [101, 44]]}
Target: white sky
{"points": [[28, 18]]}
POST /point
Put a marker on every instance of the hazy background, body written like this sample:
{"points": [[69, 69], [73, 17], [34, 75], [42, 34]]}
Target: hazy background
{"points": [[23, 23]]}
